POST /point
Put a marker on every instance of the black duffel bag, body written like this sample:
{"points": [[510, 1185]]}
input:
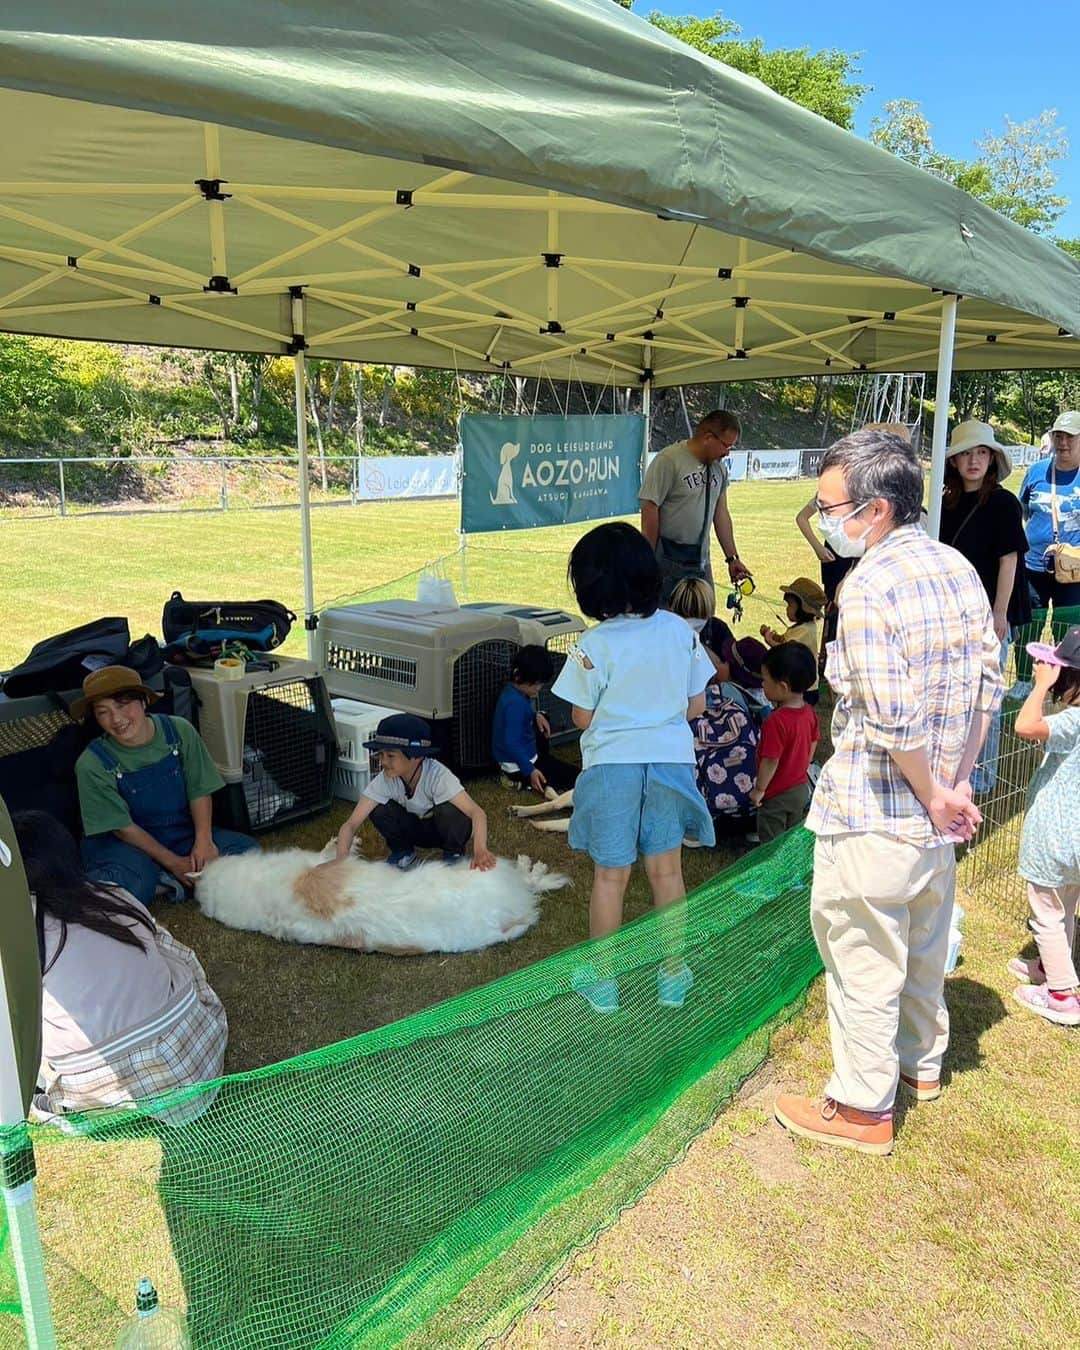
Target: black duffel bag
{"points": [[63, 662], [259, 624]]}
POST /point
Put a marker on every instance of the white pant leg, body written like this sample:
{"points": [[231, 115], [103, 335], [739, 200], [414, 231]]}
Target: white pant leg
{"points": [[924, 1018], [864, 886]]}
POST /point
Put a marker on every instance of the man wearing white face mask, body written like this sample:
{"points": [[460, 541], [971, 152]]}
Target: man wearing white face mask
{"points": [[915, 667]]}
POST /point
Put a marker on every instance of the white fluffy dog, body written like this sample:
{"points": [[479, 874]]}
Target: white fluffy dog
{"points": [[372, 907]]}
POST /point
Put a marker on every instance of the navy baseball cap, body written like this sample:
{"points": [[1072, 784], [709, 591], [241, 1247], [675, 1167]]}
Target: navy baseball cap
{"points": [[402, 731]]}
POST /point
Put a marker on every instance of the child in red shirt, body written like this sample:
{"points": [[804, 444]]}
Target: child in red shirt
{"points": [[789, 737]]}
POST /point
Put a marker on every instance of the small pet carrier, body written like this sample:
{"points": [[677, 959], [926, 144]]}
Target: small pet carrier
{"points": [[271, 735], [356, 723], [445, 665]]}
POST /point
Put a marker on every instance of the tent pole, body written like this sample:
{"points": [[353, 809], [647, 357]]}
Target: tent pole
{"points": [[646, 408], [941, 412], [300, 369], [18, 1189]]}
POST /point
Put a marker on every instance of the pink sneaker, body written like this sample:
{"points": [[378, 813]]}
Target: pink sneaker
{"points": [[1027, 972], [1036, 998]]}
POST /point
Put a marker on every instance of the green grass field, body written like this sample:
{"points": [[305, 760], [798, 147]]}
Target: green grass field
{"points": [[58, 573], [968, 1235]]}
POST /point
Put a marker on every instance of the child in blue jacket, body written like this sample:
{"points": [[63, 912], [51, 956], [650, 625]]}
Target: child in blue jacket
{"points": [[521, 753]]}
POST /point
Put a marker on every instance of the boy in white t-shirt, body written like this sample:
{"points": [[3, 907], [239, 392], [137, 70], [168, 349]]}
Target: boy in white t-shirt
{"points": [[416, 802]]}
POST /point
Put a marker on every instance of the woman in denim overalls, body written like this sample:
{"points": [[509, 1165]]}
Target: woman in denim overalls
{"points": [[157, 831]]}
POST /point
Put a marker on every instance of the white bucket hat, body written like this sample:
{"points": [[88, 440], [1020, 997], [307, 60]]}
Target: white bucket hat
{"points": [[1069, 422], [970, 435]]}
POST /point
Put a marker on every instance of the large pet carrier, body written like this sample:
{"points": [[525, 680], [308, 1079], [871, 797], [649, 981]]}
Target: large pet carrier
{"points": [[446, 665], [271, 735], [556, 630]]}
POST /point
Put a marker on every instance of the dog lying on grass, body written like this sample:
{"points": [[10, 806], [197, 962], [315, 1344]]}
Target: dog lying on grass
{"points": [[371, 907]]}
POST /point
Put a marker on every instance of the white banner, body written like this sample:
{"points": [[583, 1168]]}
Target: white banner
{"points": [[1024, 455], [383, 477], [738, 462], [774, 464]]}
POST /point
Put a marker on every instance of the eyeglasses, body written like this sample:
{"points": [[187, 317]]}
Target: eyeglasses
{"points": [[825, 509]]}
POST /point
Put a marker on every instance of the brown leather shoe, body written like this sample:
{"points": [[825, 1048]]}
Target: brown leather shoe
{"points": [[922, 1089], [831, 1122]]}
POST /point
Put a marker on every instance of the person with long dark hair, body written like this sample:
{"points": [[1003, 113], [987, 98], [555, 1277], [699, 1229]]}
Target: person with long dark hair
{"points": [[982, 519], [127, 1011]]}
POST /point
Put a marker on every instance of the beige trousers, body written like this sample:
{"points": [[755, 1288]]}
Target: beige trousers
{"points": [[880, 911]]}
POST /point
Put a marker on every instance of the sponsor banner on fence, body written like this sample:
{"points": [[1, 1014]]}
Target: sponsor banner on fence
{"points": [[381, 477], [520, 472], [774, 463], [738, 463], [1023, 456], [810, 463]]}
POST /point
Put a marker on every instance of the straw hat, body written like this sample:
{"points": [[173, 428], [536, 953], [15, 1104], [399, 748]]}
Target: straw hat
{"points": [[808, 593], [107, 683], [970, 435]]}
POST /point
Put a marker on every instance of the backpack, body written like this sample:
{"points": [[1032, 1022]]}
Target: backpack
{"points": [[258, 624]]}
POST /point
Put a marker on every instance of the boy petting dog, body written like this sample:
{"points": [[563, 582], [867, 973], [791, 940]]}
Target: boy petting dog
{"points": [[416, 802]]}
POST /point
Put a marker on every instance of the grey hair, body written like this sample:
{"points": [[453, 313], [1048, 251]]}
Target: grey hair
{"points": [[879, 464]]}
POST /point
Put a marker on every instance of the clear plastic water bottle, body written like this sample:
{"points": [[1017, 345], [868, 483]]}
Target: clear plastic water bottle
{"points": [[153, 1327], [956, 939]]}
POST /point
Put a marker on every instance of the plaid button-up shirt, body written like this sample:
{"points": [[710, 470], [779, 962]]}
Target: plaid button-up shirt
{"points": [[915, 658]]}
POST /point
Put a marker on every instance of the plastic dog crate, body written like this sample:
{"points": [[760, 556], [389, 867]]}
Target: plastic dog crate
{"points": [[556, 630], [271, 735], [354, 724], [445, 665]]}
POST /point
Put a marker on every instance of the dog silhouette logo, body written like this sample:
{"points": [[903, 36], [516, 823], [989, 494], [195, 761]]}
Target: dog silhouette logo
{"points": [[504, 489]]}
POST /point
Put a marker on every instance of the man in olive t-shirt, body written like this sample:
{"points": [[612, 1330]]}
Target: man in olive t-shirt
{"points": [[684, 499]]}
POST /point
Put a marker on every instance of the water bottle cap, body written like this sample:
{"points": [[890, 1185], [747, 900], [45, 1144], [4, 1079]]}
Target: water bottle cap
{"points": [[146, 1299]]}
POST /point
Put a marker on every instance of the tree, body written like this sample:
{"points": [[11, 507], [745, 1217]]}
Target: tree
{"points": [[1014, 172], [819, 80]]}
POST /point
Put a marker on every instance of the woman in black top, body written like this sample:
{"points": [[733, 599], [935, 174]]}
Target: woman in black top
{"points": [[983, 521]]}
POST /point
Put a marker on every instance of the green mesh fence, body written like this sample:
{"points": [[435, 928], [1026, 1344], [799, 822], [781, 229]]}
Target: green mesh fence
{"points": [[989, 865], [422, 1181]]}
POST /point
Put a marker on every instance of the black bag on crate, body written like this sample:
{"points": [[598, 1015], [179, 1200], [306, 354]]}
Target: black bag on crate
{"points": [[63, 662], [259, 624]]}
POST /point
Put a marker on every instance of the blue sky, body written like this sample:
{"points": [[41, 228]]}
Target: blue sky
{"points": [[968, 64]]}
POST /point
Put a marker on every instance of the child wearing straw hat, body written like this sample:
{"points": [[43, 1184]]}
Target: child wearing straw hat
{"points": [[805, 601]]}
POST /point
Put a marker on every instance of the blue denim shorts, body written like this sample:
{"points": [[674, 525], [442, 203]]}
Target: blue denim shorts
{"points": [[621, 810]]}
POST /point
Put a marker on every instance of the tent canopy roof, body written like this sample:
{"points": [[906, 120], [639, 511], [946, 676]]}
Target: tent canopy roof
{"points": [[539, 186]]}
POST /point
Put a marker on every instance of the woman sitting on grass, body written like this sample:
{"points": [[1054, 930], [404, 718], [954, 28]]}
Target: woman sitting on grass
{"points": [[127, 1010]]}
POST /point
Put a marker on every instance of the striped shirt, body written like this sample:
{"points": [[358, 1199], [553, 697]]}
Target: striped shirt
{"points": [[915, 658]]}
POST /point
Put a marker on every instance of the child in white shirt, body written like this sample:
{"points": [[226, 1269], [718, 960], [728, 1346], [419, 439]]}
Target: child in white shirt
{"points": [[633, 681]]}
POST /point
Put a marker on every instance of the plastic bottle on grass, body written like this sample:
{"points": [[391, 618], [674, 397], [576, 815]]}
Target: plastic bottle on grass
{"points": [[956, 939], [153, 1327]]}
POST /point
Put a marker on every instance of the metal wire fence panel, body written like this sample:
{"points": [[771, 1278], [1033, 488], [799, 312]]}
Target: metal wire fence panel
{"points": [[1004, 773]]}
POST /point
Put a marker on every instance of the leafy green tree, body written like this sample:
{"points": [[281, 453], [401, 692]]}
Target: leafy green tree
{"points": [[1014, 172], [820, 81]]}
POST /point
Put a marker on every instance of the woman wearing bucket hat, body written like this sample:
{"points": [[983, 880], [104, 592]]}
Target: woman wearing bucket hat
{"points": [[1050, 496], [145, 787], [984, 522]]}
